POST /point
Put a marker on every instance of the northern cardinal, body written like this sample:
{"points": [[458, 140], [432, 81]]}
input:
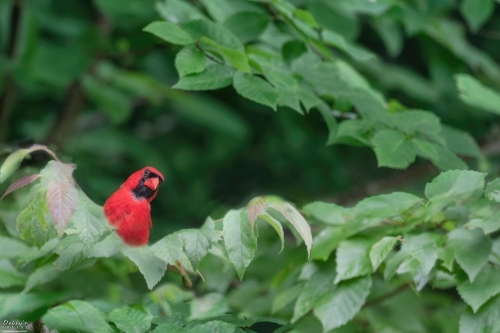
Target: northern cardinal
{"points": [[128, 209]]}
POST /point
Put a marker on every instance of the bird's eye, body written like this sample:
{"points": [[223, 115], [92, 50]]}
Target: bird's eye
{"points": [[147, 172]]}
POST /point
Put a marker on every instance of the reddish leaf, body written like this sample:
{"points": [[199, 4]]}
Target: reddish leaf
{"points": [[254, 208], [297, 220], [20, 183], [62, 199]]}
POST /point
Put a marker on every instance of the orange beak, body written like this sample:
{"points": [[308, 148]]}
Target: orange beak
{"points": [[152, 183]]}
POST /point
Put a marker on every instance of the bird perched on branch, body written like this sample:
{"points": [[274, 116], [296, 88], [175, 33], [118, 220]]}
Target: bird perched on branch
{"points": [[128, 209]]}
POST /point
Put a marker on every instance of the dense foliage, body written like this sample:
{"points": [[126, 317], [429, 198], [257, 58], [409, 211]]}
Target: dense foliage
{"points": [[407, 79]]}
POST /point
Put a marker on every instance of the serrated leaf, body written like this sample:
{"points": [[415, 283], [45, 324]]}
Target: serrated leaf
{"points": [[106, 248], [276, 225], [286, 297], [353, 259], [456, 185], [328, 213], [62, 199], [472, 249], [254, 208], [197, 242], [486, 320], [344, 303], [9, 276], [247, 26], [393, 149], [215, 326], [214, 31], [131, 320], [380, 250], [169, 32], [208, 306], [326, 241], [89, 221], [151, 267], [448, 160], [319, 284], [255, 89], [293, 216], [190, 60], [239, 239], [13, 161], [169, 249], [213, 77], [386, 205], [474, 93], [423, 248], [58, 172], [35, 253], [20, 183], [485, 286], [76, 315], [71, 251], [492, 190], [32, 221], [236, 58]]}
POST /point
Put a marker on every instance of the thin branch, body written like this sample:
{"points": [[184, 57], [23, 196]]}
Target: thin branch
{"points": [[390, 294]]}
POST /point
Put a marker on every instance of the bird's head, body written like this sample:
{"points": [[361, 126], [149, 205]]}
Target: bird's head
{"points": [[144, 183]]}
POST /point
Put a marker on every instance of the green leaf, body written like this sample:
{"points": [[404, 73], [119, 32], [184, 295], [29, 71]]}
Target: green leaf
{"points": [[484, 287], [319, 284], [247, 26], [106, 248], [390, 32], [239, 239], [393, 149], [486, 320], [169, 249], [276, 225], [215, 76], [352, 259], [208, 306], [326, 241], [476, 12], [169, 32], [197, 242], [474, 93], [221, 10], [76, 315], [381, 249], [11, 248], [456, 185], [214, 31], [423, 248], [330, 121], [9, 276], [13, 161], [89, 221], [386, 205], [131, 320], [328, 213], [116, 104], [472, 249], [33, 221], [41, 275], [178, 11], [215, 326], [448, 160], [62, 200], [460, 142], [426, 149], [236, 58], [58, 172], [190, 60], [306, 17], [286, 297], [293, 216], [15, 304], [255, 89], [152, 267], [344, 302], [71, 251]]}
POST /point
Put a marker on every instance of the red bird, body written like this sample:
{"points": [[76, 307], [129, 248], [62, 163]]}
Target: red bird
{"points": [[128, 209]]}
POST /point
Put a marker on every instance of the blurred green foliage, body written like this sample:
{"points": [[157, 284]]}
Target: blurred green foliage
{"points": [[84, 78]]}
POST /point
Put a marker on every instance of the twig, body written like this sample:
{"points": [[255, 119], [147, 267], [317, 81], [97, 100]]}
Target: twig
{"points": [[185, 277], [386, 296]]}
